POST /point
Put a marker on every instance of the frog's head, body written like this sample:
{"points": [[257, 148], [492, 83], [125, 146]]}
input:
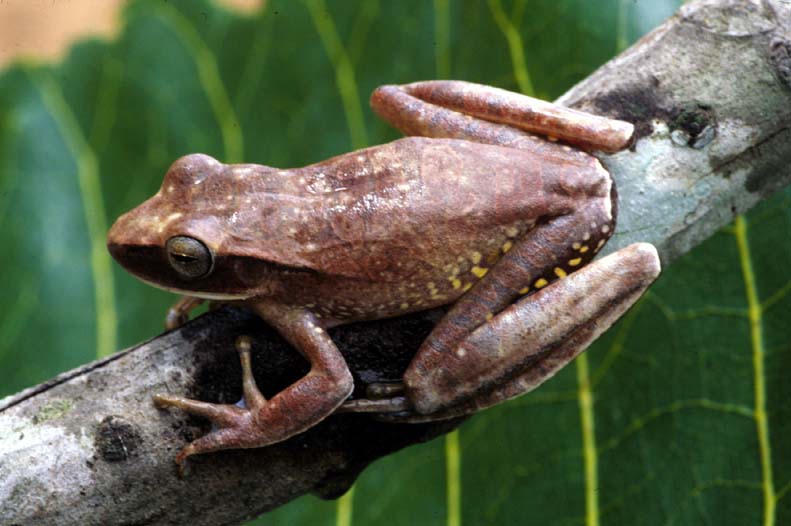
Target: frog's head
{"points": [[191, 237]]}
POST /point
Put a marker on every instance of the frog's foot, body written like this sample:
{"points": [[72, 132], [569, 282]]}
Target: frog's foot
{"points": [[396, 404], [382, 397], [380, 390], [179, 313], [237, 427]]}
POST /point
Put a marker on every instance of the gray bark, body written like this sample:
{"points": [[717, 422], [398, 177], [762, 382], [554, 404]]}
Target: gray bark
{"points": [[710, 94]]}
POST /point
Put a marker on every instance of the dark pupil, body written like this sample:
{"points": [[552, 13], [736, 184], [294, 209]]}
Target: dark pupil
{"points": [[189, 257]]}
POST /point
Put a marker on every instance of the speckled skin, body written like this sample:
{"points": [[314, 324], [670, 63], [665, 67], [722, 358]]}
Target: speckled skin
{"points": [[476, 212], [365, 235]]}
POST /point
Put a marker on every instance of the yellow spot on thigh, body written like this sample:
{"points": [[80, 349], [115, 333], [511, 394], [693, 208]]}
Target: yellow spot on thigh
{"points": [[466, 287], [541, 283], [456, 283], [404, 306], [584, 248], [489, 316], [511, 231], [559, 272], [507, 246], [575, 246], [476, 258], [524, 290], [574, 262], [479, 271]]}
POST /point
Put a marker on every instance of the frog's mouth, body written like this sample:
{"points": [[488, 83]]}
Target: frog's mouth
{"points": [[213, 296]]}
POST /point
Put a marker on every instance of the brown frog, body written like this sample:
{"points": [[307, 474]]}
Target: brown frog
{"points": [[473, 210]]}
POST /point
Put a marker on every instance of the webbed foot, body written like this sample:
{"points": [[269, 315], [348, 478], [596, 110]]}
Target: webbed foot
{"points": [[237, 427]]}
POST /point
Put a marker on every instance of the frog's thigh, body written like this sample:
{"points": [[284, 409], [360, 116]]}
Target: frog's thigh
{"points": [[544, 254], [531, 340]]}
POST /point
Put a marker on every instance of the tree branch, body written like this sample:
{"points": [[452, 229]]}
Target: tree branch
{"points": [[710, 94]]}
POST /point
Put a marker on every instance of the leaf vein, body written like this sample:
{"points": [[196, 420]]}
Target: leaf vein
{"points": [[210, 79], [93, 207], [589, 454], [344, 71], [515, 47], [680, 405], [759, 383]]}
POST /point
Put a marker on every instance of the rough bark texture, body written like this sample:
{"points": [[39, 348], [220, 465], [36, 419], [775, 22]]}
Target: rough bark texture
{"points": [[710, 93]]}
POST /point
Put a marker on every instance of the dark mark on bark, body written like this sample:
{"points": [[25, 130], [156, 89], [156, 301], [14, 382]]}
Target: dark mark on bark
{"points": [[763, 161], [691, 124], [116, 440], [694, 126], [641, 105]]}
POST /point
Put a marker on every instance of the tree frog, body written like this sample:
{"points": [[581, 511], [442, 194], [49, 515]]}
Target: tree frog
{"points": [[490, 204]]}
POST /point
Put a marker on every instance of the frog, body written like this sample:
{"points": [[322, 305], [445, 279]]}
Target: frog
{"points": [[493, 206]]}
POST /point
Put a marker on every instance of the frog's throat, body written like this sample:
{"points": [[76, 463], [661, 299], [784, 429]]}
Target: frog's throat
{"points": [[197, 294]]}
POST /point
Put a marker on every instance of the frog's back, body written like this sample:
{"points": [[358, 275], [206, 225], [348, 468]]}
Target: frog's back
{"points": [[417, 204]]}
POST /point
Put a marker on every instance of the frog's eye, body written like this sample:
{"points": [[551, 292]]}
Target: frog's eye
{"points": [[190, 258]]}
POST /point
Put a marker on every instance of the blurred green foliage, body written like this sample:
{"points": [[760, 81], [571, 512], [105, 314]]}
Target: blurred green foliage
{"points": [[662, 422]]}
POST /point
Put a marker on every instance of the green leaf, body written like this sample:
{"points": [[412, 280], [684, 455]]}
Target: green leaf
{"points": [[677, 416]]}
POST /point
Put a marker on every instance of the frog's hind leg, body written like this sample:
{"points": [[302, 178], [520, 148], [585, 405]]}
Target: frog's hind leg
{"points": [[531, 340], [443, 108]]}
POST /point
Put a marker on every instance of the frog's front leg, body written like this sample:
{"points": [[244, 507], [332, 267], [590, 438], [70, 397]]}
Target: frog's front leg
{"points": [[297, 408], [179, 313]]}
